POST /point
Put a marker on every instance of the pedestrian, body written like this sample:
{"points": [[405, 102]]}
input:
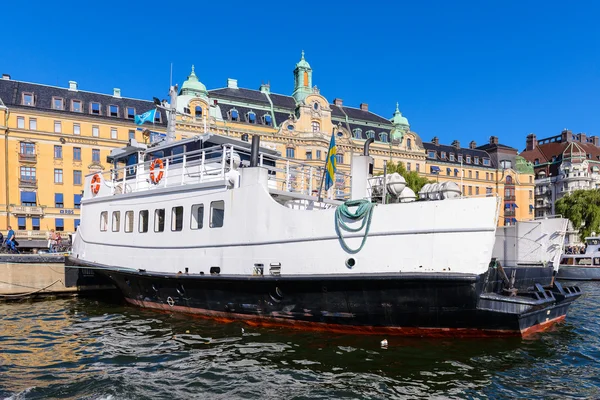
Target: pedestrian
{"points": [[53, 241], [10, 240]]}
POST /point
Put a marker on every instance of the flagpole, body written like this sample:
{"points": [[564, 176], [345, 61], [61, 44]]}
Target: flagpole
{"points": [[322, 179]]}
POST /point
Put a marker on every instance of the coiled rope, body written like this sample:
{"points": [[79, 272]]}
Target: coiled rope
{"points": [[363, 212]]}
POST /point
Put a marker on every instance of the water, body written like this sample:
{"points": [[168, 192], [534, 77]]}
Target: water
{"points": [[89, 349]]}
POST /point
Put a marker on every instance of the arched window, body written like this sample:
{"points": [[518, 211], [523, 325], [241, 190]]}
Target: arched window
{"points": [[383, 137], [370, 134], [536, 161], [251, 117], [198, 112], [509, 180], [408, 144], [305, 78], [357, 133], [316, 127], [234, 115]]}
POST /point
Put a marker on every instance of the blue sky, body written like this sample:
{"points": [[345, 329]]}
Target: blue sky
{"points": [[459, 69]]}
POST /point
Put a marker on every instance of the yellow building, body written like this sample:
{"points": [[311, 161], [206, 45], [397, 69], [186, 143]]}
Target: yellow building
{"points": [[51, 137], [486, 170]]}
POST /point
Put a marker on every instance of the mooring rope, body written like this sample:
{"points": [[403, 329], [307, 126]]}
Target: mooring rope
{"points": [[30, 293], [364, 213]]}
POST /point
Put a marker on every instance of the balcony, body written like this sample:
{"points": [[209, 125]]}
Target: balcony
{"points": [[27, 210], [27, 158], [509, 213], [509, 198], [28, 183]]}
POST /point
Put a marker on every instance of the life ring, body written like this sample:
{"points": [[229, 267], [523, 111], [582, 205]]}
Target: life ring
{"points": [[155, 178], [95, 185]]}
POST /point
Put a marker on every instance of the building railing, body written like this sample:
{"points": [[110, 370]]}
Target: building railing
{"points": [[25, 157], [27, 210], [28, 183], [509, 213], [510, 198]]}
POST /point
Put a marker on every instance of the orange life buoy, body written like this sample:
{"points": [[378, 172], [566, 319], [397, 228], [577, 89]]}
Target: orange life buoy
{"points": [[155, 178], [95, 185]]}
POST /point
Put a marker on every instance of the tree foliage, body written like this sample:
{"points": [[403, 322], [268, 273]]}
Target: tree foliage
{"points": [[413, 180], [582, 208]]}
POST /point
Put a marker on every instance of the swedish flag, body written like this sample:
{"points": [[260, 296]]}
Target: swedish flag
{"points": [[331, 163]]}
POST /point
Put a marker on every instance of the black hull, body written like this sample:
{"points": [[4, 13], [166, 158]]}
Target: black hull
{"points": [[526, 277], [442, 304], [574, 273]]}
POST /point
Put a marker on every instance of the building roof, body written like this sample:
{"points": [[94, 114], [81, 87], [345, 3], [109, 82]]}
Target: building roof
{"points": [[11, 93], [438, 148]]}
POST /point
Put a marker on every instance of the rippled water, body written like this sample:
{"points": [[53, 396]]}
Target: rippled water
{"points": [[82, 348]]}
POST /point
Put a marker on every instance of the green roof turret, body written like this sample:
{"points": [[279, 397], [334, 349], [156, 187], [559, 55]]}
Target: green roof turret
{"points": [[192, 86]]}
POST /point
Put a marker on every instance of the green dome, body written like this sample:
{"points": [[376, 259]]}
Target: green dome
{"points": [[303, 63], [193, 86], [398, 119]]}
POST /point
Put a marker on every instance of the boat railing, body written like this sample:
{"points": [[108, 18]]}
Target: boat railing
{"points": [[215, 164]]}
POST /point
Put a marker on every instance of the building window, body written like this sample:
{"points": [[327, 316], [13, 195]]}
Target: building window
{"points": [[451, 156], [477, 190], [159, 220], [113, 133], [470, 174], [143, 222], [76, 153], [309, 154], [27, 99], [383, 137], [57, 127], [28, 174], [267, 120], [468, 159], [157, 117], [408, 166], [509, 180], [197, 219], [530, 194], [58, 175], [177, 219], [77, 201], [443, 155], [32, 124], [217, 214], [470, 190], [76, 177], [95, 108], [418, 166], [251, 117], [487, 176], [486, 162], [21, 223], [318, 154], [95, 131], [370, 134], [35, 223], [76, 129], [316, 127], [488, 191], [130, 113], [505, 164], [58, 103], [59, 224], [59, 200], [476, 174], [116, 221], [128, 228], [28, 199], [476, 160], [198, 111], [27, 148], [76, 106], [408, 144], [57, 151], [339, 159], [131, 134], [455, 171], [431, 154], [113, 110], [21, 122], [290, 152], [234, 115], [96, 155], [448, 171], [460, 158], [103, 221], [357, 133]]}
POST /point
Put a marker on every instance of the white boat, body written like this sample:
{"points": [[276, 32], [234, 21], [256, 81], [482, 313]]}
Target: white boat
{"points": [[215, 227], [582, 267]]}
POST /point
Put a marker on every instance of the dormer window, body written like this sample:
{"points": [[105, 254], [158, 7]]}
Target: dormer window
{"points": [[536, 161], [186, 110], [383, 137], [370, 134], [76, 106], [357, 133], [267, 120], [431, 154], [251, 117], [460, 158], [476, 160], [130, 113], [95, 108], [451, 156], [234, 115], [58, 103], [27, 99], [443, 155], [198, 112], [113, 110], [486, 162], [468, 159]]}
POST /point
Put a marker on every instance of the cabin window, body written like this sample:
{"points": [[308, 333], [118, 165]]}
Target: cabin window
{"points": [[177, 218], [584, 261], [143, 223], [103, 221], [197, 219], [217, 213], [128, 221], [159, 220], [116, 221], [596, 260]]}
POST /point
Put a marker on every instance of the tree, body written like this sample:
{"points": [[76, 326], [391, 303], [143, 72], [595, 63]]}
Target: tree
{"points": [[413, 180], [582, 208]]}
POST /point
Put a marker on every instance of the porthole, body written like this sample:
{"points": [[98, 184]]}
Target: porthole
{"points": [[350, 263]]}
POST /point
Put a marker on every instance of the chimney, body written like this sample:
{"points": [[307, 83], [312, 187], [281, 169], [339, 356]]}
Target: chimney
{"points": [[472, 145], [364, 106], [6, 77], [566, 136], [232, 83], [73, 86], [595, 140], [456, 144], [265, 88], [117, 92], [493, 139], [531, 142], [435, 141], [337, 101], [582, 137]]}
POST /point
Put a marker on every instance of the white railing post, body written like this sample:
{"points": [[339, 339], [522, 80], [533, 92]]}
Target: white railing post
{"points": [[310, 181], [303, 181], [202, 166], [287, 176], [223, 161], [113, 176], [261, 159], [231, 158], [183, 169], [137, 176], [124, 175]]}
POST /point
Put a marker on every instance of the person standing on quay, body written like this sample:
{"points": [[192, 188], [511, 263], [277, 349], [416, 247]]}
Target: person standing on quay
{"points": [[10, 239]]}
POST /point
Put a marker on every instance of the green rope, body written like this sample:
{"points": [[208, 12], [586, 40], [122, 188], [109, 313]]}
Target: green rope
{"points": [[364, 212]]}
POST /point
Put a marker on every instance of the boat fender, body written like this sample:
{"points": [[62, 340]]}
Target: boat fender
{"points": [[156, 177]]}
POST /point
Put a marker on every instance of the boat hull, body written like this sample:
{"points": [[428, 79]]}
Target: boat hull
{"points": [[415, 304], [575, 273]]}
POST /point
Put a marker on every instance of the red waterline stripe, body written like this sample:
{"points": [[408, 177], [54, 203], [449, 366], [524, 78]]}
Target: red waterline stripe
{"points": [[271, 322]]}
